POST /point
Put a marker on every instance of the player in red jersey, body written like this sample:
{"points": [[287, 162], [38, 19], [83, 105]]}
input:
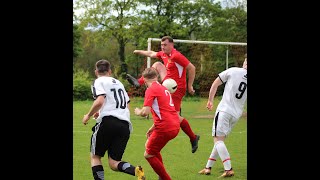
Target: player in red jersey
{"points": [[175, 66], [166, 126]]}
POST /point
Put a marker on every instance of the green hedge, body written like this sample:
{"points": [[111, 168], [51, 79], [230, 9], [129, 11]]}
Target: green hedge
{"points": [[82, 85]]}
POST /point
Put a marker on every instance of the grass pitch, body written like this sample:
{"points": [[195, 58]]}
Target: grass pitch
{"points": [[179, 162]]}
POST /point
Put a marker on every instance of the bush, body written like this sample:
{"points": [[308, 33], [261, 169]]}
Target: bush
{"points": [[81, 85]]}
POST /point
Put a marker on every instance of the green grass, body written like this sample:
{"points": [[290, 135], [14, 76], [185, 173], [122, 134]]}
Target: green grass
{"points": [[179, 162]]}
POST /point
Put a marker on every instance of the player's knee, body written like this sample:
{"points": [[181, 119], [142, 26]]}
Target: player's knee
{"points": [[218, 142], [113, 164], [146, 155], [158, 65], [180, 117], [161, 69], [95, 159]]}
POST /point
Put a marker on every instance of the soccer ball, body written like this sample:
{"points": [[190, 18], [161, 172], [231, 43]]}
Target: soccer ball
{"points": [[170, 84]]}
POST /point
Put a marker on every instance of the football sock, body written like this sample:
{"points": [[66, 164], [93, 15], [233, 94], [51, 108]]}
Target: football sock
{"points": [[185, 126], [158, 167], [126, 168], [213, 157], [141, 80], [224, 154], [98, 173]]}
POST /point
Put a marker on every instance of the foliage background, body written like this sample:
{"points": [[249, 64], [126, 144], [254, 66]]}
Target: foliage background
{"points": [[113, 29]]}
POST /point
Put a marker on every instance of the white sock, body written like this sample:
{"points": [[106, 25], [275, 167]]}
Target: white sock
{"points": [[213, 157], [224, 154]]}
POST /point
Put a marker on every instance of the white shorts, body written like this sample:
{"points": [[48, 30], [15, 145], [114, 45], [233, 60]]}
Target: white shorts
{"points": [[223, 123]]}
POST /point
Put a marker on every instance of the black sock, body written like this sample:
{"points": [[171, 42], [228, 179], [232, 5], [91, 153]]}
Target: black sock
{"points": [[126, 168], [98, 172]]}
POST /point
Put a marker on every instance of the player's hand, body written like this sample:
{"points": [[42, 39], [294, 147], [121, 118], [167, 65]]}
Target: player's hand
{"points": [[137, 111], [149, 132], [191, 90], [96, 115], [85, 119], [209, 105]]}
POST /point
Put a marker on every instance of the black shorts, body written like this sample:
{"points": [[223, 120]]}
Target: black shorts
{"points": [[112, 135]]}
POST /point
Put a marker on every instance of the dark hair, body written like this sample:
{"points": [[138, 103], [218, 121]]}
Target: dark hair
{"points": [[167, 37], [103, 66], [150, 73]]}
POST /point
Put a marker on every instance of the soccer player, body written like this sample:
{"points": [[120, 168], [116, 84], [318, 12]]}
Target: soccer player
{"points": [[166, 126], [227, 114], [175, 66], [113, 126]]}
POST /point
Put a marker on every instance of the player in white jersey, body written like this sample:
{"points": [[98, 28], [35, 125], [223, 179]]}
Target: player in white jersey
{"points": [[227, 113], [113, 126]]}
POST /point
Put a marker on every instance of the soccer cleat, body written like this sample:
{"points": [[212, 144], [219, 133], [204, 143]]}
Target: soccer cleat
{"points": [[205, 171], [194, 144], [133, 81], [227, 173], [139, 173]]}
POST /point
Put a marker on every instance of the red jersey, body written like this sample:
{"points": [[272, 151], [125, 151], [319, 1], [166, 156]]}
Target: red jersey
{"points": [[176, 64], [164, 115]]}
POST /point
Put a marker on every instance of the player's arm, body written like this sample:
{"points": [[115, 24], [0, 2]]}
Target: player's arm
{"points": [[213, 90], [97, 104], [191, 69], [144, 111], [151, 54], [150, 130]]}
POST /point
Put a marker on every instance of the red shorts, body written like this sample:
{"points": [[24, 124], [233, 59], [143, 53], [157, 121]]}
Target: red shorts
{"points": [[177, 97], [158, 140]]}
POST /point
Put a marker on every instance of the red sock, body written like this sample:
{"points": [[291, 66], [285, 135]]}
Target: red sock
{"points": [[185, 126], [158, 167], [141, 80]]}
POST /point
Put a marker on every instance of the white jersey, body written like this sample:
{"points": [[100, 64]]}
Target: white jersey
{"points": [[116, 99], [235, 91]]}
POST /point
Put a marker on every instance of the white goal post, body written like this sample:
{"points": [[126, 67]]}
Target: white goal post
{"points": [[196, 42]]}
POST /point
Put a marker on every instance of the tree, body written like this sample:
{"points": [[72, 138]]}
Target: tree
{"points": [[77, 50], [112, 18]]}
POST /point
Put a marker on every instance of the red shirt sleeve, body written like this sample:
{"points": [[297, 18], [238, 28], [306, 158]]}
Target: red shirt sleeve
{"points": [[159, 54]]}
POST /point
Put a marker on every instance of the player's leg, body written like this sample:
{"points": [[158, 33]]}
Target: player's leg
{"points": [[184, 124], [139, 82], [156, 142], [211, 161], [97, 167], [121, 133], [152, 154], [224, 156], [97, 150], [214, 153], [194, 139], [207, 169], [157, 165], [220, 130], [162, 70], [127, 168]]}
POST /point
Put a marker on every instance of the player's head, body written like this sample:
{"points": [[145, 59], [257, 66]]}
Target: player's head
{"points": [[103, 67], [150, 75], [244, 65], [167, 44]]}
